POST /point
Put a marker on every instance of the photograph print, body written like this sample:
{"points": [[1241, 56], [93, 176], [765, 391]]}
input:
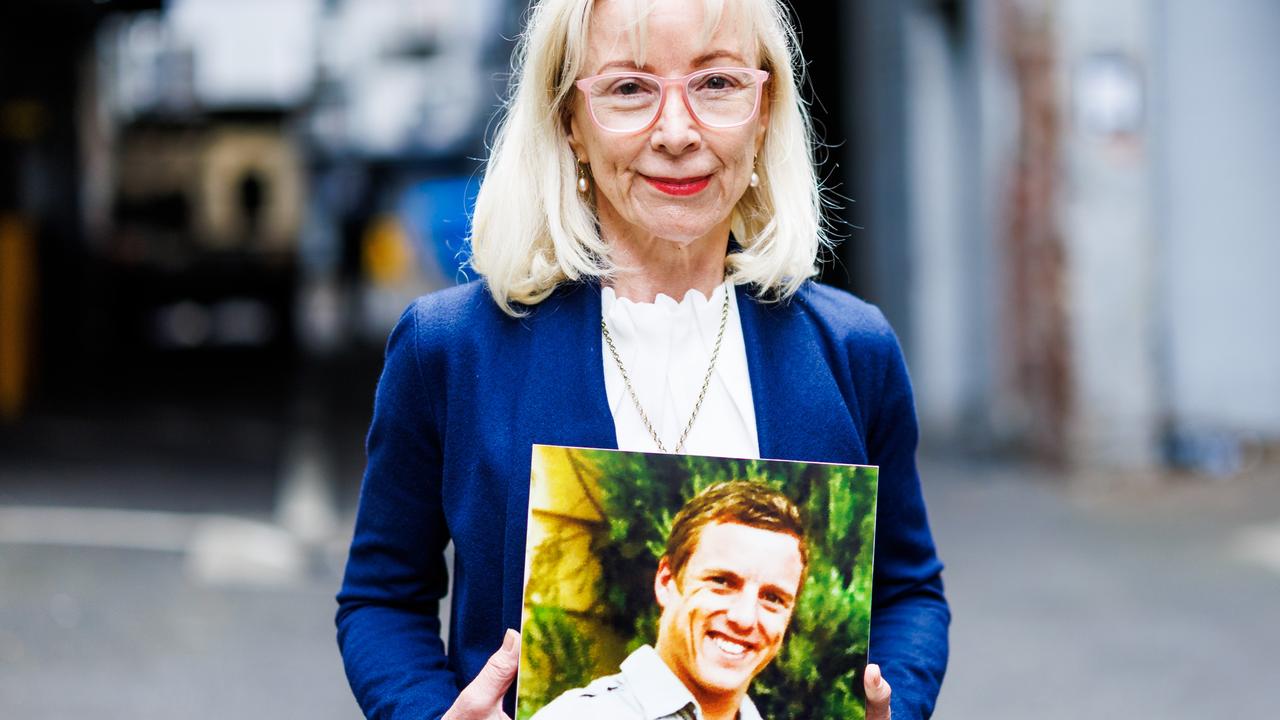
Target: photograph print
{"points": [[685, 586]]}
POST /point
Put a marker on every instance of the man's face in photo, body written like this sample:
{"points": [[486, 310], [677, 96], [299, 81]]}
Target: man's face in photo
{"points": [[724, 619]]}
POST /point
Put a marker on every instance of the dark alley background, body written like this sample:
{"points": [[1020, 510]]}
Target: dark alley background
{"points": [[213, 211]]}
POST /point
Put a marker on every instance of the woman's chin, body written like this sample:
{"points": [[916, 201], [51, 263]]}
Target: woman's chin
{"points": [[679, 237], [685, 231]]}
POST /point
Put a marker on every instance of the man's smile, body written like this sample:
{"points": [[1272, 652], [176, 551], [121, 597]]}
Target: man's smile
{"points": [[733, 647]]}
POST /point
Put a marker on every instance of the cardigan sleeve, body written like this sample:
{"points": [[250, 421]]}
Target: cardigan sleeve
{"points": [[388, 622], [910, 616]]}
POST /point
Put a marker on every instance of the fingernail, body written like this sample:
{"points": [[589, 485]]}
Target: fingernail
{"points": [[509, 641]]}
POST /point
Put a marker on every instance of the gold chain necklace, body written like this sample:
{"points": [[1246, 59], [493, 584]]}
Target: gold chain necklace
{"points": [[706, 381]]}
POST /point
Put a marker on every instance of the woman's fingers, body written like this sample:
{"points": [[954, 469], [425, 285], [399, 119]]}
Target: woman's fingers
{"points": [[878, 691], [482, 699]]}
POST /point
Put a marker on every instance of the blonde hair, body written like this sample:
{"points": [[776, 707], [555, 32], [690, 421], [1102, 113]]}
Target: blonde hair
{"points": [[532, 230]]}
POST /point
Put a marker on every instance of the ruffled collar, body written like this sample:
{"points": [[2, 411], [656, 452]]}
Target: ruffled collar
{"points": [[692, 302]]}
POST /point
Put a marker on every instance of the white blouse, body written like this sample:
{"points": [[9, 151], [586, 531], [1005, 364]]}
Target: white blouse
{"points": [[666, 346]]}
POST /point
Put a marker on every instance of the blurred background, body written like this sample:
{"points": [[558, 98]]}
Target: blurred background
{"points": [[212, 211]]}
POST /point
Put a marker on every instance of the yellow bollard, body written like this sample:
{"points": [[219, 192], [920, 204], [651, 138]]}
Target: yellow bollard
{"points": [[386, 252]]}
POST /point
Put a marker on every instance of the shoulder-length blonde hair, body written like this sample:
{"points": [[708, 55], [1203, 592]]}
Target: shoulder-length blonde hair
{"points": [[532, 229]]}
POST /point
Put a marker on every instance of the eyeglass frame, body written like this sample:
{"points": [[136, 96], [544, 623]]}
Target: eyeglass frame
{"points": [[761, 76]]}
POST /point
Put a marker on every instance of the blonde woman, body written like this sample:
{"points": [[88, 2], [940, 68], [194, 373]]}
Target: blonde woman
{"points": [[647, 230]]}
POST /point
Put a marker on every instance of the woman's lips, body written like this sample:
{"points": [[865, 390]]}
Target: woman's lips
{"points": [[679, 186]]}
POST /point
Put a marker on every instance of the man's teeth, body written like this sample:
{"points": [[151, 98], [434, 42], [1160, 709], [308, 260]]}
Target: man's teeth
{"points": [[730, 646]]}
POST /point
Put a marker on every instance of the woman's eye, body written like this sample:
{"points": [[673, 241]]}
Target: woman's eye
{"points": [[628, 87], [718, 82]]}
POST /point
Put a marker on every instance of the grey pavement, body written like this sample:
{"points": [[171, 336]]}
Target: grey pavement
{"points": [[106, 633], [1072, 597], [1109, 597]]}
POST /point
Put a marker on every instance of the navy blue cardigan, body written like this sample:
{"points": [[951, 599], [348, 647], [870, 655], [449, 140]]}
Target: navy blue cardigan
{"points": [[466, 390]]}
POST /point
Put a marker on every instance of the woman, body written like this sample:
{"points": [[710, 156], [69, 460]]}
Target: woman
{"points": [[646, 231]]}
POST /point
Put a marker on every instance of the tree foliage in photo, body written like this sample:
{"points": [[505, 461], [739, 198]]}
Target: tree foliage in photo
{"points": [[818, 673]]}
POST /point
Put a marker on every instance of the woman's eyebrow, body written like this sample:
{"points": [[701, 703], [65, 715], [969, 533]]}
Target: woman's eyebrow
{"points": [[623, 65], [708, 57], [704, 59]]}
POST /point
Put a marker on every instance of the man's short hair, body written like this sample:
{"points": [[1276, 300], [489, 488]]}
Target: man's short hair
{"points": [[739, 501]]}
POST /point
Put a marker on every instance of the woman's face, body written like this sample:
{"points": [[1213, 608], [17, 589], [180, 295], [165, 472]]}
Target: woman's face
{"points": [[676, 180]]}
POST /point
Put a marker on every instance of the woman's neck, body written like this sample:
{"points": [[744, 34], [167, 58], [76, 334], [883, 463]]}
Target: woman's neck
{"points": [[649, 265]]}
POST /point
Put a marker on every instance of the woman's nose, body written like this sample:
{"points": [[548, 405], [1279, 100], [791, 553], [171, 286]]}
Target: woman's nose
{"points": [[676, 130]]}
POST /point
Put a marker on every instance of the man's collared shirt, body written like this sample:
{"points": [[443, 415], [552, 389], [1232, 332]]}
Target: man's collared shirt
{"points": [[645, 689]]}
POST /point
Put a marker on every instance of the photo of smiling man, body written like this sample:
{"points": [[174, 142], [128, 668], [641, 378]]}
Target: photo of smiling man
{"points": [[695, 587], [727, 585]]}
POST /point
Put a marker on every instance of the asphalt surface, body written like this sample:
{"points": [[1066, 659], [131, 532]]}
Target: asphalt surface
{"points": [[1072, 598], [178, 558]]}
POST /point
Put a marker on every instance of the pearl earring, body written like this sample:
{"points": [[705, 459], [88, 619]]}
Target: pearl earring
{"points": [[755, 179], [582, 180]]}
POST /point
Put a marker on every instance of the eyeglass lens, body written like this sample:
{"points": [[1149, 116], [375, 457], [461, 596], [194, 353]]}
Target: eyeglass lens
{"points": [[718, 99]]}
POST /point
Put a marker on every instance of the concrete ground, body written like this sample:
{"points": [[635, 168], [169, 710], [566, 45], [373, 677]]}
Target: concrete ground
{"points": [[153, 573], [1083, 600]]}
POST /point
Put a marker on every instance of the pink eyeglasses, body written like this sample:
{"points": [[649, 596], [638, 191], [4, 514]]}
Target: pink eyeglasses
{"points": [[627, 102]]}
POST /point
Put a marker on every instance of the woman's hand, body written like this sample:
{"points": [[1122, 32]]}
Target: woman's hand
{"points": [[482, 699], [878, 691]]}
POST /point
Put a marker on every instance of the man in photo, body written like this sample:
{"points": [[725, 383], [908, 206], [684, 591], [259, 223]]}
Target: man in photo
{"points": [[727, 584]]}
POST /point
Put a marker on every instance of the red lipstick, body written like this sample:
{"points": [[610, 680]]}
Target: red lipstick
{"points": [[680, 186]]}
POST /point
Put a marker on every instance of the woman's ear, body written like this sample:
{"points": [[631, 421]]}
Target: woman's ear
{"points": [[575, 144], [763, 125]]}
